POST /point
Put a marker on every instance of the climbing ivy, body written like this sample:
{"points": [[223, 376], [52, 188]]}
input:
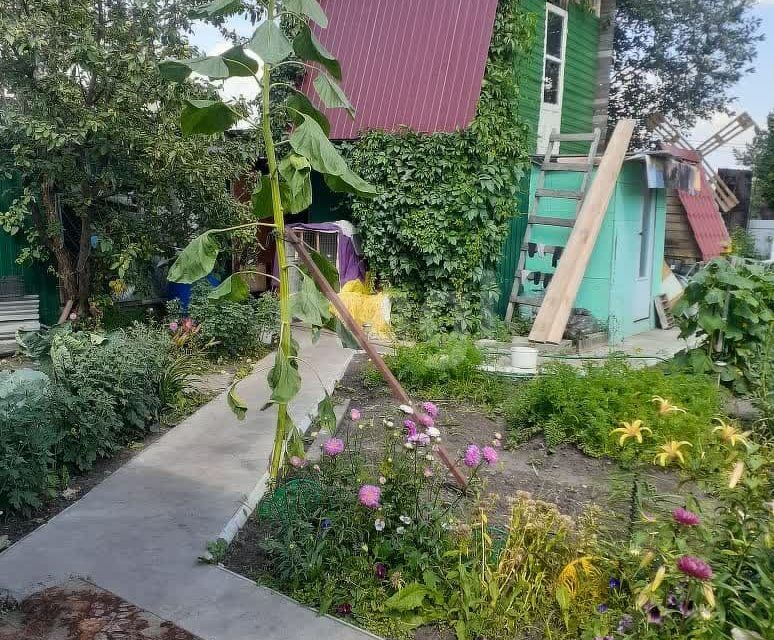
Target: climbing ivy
{"points": [[437, 230]]}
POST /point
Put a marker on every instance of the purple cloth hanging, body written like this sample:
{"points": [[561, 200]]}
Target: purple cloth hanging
{"points": [[350, 265]]}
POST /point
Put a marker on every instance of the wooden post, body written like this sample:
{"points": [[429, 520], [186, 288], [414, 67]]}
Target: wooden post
{"points": [[398, 392], [554, 313]]}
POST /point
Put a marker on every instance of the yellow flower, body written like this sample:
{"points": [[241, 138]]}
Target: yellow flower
{"points": [[630, 430], [665, 406], [730, 434], [736, 474], [670, 452], [709, 594], [658, 579]]}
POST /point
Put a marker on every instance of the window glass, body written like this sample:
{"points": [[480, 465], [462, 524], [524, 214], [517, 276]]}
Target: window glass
{"points": [[551, 82], [554, 30]]}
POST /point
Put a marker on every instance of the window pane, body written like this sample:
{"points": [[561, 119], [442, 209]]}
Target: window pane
{"points": [[551, 82], [554, 30]]}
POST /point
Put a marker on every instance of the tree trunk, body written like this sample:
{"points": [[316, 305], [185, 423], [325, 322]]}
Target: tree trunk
{"points": [[82, 270], [53, 234]]}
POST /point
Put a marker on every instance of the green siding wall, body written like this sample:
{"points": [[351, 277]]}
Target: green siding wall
{"points": [[580, 75], [37, 279]]}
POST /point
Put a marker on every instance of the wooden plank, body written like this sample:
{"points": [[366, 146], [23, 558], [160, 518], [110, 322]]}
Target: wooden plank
{"points": [[529, 302], [552, 222], [572, 137], [558, 193], [554, 313], [547, 250], [565, 166]]}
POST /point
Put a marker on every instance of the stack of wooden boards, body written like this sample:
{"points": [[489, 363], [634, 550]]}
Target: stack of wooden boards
{"points": [[15, 314]]}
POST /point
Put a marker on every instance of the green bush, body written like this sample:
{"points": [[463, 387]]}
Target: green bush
{"points": [[582, 406], [440, 360], [231, 328], [26, 440], [106, 394]]}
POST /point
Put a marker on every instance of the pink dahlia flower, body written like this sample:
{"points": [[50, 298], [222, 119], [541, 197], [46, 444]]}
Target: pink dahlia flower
{"points": [[685, 517], [425, 420], [369, 496], [333, 447], [694, 567], [489, 454], [472, 456], [431, 408], [355, 415]]}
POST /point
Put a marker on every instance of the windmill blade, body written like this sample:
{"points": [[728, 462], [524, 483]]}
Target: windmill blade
{"points": [[737, 126], [667, 132]]}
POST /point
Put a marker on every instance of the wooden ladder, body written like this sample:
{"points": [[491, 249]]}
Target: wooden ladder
{"points": [[586, 167]]}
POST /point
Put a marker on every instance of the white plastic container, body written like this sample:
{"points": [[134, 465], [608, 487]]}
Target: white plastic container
{"points": [[524, 358]]}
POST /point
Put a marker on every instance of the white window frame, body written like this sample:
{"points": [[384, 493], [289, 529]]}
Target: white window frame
{"points": [[546, 56]]}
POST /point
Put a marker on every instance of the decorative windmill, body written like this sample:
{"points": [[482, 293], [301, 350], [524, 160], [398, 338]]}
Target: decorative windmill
{"points": [[667, 132]]}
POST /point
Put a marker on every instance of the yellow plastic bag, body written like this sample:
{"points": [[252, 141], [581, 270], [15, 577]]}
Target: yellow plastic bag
{"points": [[367, 308]]}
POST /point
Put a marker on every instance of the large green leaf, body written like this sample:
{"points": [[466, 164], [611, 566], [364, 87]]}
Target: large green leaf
{"points": [[298, 104], [212, 66], [328, 269], [326, 416], [332, 95], [408, 598], [309, 48], [309, 8], [283, 379], [207, 117], [236, 403], [233, 288], [297, 185], [309, 140], [196, 261], [175, 70], [239, 63], [309, 305], [261, 202], [217, 8], [270, 43]]}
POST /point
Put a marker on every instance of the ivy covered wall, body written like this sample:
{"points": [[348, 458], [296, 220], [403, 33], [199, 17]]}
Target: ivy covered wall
{"points": [[436, 233]]}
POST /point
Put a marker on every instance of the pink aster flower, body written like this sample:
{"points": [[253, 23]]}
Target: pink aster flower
{"points": [[428, 472], [423, 439], [173, 326], [369, 496], [472, 456], [431, 408], [425, 420], [355, 415], [489, 454], [333, 447], [685, 517], [411, 427], [694, 567], [297, 462]]}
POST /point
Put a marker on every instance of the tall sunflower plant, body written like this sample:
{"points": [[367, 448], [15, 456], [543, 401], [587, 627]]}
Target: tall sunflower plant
{"points": [[285, 188]]}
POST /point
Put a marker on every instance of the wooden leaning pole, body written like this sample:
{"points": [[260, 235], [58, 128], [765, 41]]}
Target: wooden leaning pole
{"points": [[398, 392]]}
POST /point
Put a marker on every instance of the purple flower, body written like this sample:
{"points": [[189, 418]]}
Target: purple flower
{"points": [[344, 609], [425, 420], [472, 456], [333, 447], [489, 454], [671, 601], [325, 523], [369, 496], [423, 439], [694, 567], [654, 616], [686, 608], [614, 583], [173, 326], [355, 414], [685, 517], [411, 427], [604, 638], [602, 608], [625, 623], [380, 571], [431, 408]]}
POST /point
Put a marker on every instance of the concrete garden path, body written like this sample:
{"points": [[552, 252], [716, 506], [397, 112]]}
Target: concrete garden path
{"points": [[138, 534]]}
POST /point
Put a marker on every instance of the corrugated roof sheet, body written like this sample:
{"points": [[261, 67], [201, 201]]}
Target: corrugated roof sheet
{"points": [[702, 211], [413, 63]]}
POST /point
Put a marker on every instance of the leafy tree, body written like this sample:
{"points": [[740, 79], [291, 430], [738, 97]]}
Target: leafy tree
{"points": [[287, 185], [679, 58], [759, 156], [90, 126]]}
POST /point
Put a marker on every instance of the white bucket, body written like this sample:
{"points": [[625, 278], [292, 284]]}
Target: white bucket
{"points": [[524, 358]]}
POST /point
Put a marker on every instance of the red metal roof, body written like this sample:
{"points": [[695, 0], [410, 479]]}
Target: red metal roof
{"points": [[702, 211], [414, 63]]}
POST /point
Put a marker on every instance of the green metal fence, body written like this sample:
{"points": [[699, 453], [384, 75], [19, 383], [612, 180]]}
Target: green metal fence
{"points": [[38, 280]]}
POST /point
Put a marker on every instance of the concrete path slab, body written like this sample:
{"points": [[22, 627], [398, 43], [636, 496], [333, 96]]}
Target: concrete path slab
{"points": [[138, 534]]}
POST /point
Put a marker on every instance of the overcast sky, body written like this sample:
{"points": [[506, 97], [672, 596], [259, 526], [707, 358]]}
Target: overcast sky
{"points": [[755, 93]]}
